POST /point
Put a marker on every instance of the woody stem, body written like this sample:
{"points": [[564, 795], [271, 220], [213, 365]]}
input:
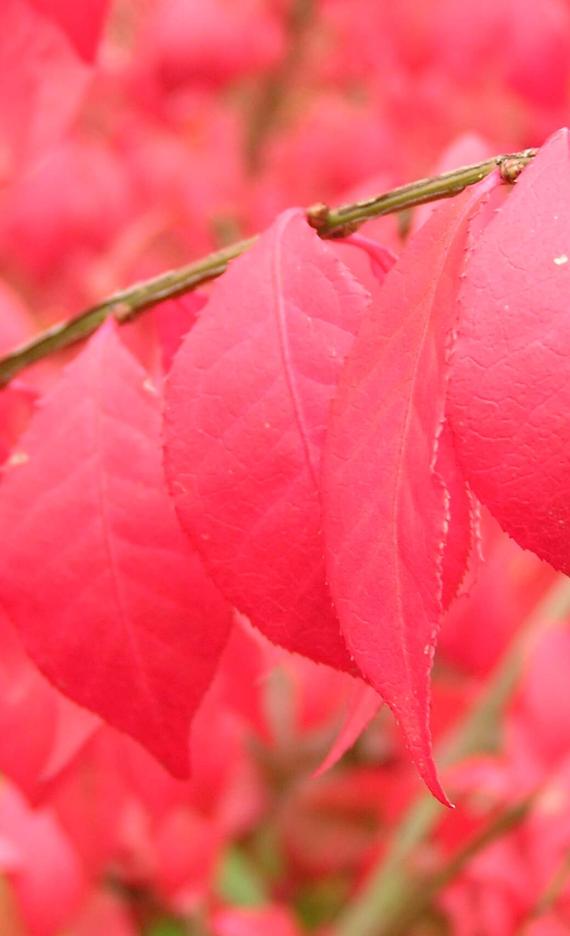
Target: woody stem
{"points": [[328, 222]]}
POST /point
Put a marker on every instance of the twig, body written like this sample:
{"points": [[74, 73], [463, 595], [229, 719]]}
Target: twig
{"points": [[328, 222], [553, 890], [425, 892], [123, 305], [274, 91], [339, 222]]}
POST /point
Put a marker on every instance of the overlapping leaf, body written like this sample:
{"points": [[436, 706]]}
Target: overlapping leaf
{"points": [[362, 705], [510, 386], [386, 510], [461, 518], [246, 405], [109, 598], [82, 23]]}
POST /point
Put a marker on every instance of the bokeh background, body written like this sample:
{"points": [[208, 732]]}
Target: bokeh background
{"points": [[192, 124]]}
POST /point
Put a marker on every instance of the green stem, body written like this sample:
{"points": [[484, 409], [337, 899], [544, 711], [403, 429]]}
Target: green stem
{"points": [[551, 893], [124, 306], [422, 896], [338, 222], [329, 222], [389, 888]]}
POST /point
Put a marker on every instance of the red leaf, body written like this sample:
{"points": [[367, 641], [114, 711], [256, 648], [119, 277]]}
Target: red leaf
{"points": [[46, 875], [82, 23], [362, 706], [16, 323], [381, 259], [510, 384], [502, 591], [461, 519], [385, 506], [543, 693], [18, 397], [41, 731], [38, 67], [16, 408], [154, 339], [105, 913], [464, 149], [549, 924], [247, 402], [173, 319], [254, 922], [110, 601], [211, 43], [188, 851]]}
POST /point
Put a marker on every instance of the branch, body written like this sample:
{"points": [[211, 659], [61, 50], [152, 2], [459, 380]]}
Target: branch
{"points": [[123, 305], [328, 222], [274, 92], [553, 890], [339, 222], [420, 899]]}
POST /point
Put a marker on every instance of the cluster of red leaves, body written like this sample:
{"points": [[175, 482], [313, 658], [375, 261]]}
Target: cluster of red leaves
{"points": [[301, 453]]}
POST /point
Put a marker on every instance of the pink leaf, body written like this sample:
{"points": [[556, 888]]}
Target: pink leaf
{"points": [[461, 519], [247, 402], [16, 408], [38, 67], [48, 881], [154, 338], [381, 258], [362, 706], [108, 914], [16, 323], [548, 924], [18, 397], [543, 694], [109, 599], [254, 922], [173, 319], [211, 43], [41, 731], [465, 149], [510, 383], [502, 591], [188, 850], [385, 506], [82, 23]]}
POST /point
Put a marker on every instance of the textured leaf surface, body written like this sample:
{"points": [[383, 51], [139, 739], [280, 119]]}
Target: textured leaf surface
{"points": [[110, 600], [386, 511], [510, 384], [246, 406]]}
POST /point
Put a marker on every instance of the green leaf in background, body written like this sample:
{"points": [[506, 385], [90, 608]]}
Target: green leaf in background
{"points": [[239, 882], [167, 927]]}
